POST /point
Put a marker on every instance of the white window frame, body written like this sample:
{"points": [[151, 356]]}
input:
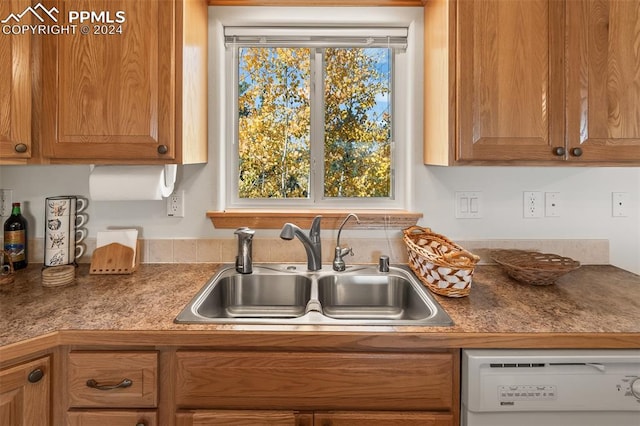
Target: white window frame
{"points": [[407, 108]]}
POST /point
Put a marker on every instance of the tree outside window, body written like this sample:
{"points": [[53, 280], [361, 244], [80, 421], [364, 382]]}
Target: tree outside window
{"points": [[276, 103]]}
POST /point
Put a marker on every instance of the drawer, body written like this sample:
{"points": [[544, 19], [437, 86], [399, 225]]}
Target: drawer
{"points": [[314, 381], [113, 379], [387, 418], [243, 418], [112, 418]]}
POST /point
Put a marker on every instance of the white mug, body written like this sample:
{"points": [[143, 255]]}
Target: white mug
{"points": [[63, 232], [64, 205], [81, 234], [81, 204], [79, 251], [81, 219]]}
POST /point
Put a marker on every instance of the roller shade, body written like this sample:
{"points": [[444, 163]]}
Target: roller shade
{"points": [[390, 37]]}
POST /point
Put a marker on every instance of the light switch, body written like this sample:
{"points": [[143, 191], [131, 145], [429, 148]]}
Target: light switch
{"points": [[468, 204], [464, 205], [473, 205]]}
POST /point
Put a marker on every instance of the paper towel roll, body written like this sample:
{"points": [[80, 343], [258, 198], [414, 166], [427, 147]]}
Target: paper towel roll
{"points": [[111, 183]]}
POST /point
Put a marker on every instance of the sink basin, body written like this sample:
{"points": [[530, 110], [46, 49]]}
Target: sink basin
{"points": [[292, 295], [390, 297], [256, 296]]}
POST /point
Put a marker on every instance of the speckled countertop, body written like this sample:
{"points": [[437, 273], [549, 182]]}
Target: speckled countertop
{"points": [[592, 299]]}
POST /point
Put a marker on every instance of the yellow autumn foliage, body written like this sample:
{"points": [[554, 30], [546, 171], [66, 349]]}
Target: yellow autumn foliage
{"points": [[274, 123]]}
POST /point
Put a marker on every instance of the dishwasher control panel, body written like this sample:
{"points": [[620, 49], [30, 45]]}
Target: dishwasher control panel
{"points": [[506, 394]]}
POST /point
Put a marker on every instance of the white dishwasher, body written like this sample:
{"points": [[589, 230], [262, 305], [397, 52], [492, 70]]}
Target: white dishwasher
{"points": [[550, 387]]}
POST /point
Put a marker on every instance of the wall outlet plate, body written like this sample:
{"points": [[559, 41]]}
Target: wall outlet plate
{"points": [[619, 204], [552, 204], [532, 204], [175, 204]]}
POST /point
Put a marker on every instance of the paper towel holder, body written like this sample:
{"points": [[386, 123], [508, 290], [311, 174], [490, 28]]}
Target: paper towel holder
{"points": [[170, 173]]}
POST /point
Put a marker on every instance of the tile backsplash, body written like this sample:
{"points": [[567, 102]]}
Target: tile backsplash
{"points": [[366, 250]]}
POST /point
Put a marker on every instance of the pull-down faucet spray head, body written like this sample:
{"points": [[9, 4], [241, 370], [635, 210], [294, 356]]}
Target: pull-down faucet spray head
{"points": [[311, 243]]}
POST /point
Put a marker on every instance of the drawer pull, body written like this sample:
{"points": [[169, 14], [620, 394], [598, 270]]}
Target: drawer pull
{"points": [[95, 385]]}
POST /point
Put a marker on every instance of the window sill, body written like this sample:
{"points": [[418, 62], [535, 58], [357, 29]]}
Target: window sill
{"points": [[331, 219]]}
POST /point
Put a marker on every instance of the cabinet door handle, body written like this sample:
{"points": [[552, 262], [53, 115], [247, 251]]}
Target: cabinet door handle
{"points": [[35, 376], [125, 383], [576, 152], [559, 151], [20, 147], [162, 149]]}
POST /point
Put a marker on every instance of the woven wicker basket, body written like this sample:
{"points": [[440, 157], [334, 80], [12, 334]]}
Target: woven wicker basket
{"points": [[444, 267], [532, 267]]}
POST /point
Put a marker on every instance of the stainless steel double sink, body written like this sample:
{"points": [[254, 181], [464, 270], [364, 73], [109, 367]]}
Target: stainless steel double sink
{"points": [[289, 294]]}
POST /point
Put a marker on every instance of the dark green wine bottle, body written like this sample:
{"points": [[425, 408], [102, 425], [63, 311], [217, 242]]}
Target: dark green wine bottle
{"points": [[15, 237]]}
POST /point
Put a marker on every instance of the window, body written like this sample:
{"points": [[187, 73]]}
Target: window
{"points": [[312, 117]]}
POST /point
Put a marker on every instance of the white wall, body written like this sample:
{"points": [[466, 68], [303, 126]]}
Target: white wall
{"points": [[585, 200]]}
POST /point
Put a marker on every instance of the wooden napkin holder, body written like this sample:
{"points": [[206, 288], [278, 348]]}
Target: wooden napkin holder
{"points": [[114, 259]]}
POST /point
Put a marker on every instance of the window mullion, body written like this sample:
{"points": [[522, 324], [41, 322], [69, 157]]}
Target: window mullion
{"points": [[317, 125]]}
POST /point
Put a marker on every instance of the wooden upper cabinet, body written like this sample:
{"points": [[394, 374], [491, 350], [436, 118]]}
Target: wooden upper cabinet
{"points": [[116, 93], [603, 80], [15, 87], [532, 82], [510, 100]]}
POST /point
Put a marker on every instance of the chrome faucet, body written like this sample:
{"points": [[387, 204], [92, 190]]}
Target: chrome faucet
{"points": [[244, 263], [340, 252], [312, 243]]}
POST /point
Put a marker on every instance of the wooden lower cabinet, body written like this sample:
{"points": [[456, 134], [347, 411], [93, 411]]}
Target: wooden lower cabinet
{"points": [[319, 389], [112, 418], [292, 418], [25, 394], [207, 387]]}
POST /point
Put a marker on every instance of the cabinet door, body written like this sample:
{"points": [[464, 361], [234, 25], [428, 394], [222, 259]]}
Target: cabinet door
{"points": [[603, 82], [510, 80], [112, 418], [110, 94], [381, 419], [243, 418], [25, 394], [15, 86]]}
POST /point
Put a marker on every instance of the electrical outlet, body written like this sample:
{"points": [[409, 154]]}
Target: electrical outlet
{"points": [[552, 204], [619, 204], [175, 204], [5, 202], [532, 204]]}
